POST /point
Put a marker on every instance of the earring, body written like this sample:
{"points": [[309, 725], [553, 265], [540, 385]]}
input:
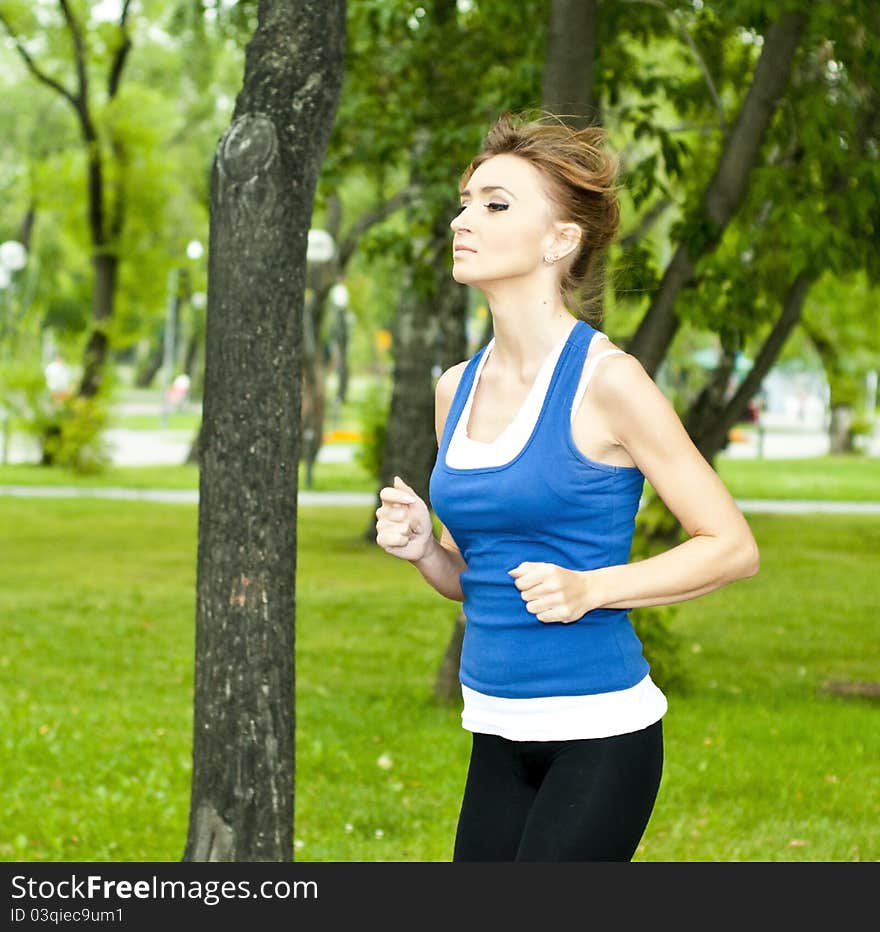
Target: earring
{"points": [[549, 259]]}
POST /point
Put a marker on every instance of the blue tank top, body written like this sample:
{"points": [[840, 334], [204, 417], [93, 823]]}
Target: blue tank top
{"points": [[549, 504]]}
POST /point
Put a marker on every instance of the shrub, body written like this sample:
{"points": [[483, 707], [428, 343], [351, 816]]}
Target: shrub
{"points": [[656, 529], [373, 419], [73, 435]]}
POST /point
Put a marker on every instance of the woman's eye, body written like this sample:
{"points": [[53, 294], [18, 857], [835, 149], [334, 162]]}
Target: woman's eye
{"points": [[492, 206]]}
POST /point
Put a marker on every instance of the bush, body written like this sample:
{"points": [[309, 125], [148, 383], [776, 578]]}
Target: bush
{"points": [[656, 530], [373, 420], [69, 429], [72, 435]]}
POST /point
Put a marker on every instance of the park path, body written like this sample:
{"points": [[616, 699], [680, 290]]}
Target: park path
{"points": [[307, 497]]}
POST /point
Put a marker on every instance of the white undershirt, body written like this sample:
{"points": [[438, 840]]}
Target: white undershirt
{"points": [[544, 718]]}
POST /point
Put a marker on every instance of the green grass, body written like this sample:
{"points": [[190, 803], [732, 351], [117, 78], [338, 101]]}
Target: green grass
{"points": [[835, 478], [96, 660], [850, 477]]}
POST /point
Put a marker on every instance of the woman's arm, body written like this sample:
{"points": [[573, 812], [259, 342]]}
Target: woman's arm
{"points": [[442, 566], [404, 527], [720, 547]]}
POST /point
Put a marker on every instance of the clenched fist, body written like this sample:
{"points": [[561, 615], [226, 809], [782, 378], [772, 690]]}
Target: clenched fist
{"points": [[553, 593], [403, 526]]}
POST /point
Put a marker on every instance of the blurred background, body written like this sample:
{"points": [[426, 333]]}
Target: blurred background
{"points": [[104, 214]]}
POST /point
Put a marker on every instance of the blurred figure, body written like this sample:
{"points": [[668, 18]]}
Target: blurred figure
{"points": [[59, 378], [178, 391]]}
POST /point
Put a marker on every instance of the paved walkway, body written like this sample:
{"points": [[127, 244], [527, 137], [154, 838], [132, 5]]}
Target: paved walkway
{"points": [[183, 496], [306, 497]]}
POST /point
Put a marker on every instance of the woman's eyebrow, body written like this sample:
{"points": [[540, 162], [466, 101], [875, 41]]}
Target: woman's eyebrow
{"points": [[487, 188]]}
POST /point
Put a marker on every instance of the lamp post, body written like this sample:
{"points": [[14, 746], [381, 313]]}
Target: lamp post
{"points": [[320, 252], [339, 298], [13, 258]]}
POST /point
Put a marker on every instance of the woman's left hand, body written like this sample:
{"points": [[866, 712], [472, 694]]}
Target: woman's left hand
{"points": [[553, 593]]}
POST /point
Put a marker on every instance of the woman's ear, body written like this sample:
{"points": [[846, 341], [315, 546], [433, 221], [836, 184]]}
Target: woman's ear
{"points": [[567, 239]]}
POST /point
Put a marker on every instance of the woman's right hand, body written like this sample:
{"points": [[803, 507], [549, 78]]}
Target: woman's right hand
{"points": [[403, 525]]}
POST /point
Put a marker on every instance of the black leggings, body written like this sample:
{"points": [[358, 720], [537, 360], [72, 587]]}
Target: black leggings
{"points": [[583, 800]]}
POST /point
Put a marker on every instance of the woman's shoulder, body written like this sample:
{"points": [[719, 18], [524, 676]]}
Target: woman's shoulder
{"points": [[447, 383]]}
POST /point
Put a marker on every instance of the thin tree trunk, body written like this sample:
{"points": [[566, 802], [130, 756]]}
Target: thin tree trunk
{"points": [[709, 421], [262, 194], [153, 364], [95, 353], [568, 64]]}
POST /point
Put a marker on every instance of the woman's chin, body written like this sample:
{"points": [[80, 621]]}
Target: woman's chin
{"points": [[464, 275]]}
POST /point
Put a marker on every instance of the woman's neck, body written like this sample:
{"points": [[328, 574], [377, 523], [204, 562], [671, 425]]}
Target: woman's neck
{"points": [[526, 331]]}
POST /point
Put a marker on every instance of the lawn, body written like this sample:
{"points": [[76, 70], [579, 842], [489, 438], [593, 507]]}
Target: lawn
{"points": [[836, 478], [96, 660]]}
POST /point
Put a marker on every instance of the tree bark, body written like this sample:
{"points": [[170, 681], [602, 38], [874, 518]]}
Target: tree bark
{"points": [[568, 64], [262, 194], [840, 434], [726, 190], [709, 420]]}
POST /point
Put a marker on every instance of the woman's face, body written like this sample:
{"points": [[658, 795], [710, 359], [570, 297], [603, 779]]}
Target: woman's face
{"points": [[505, 227]]}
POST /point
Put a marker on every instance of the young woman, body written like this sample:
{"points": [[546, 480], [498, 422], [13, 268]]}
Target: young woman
{"points": [[546, 437]]}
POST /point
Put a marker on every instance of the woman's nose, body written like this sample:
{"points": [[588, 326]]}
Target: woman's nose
{"points": [[458, 222]]}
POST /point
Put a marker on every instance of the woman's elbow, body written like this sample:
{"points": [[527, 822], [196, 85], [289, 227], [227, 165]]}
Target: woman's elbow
{"points": [[748, 558]]}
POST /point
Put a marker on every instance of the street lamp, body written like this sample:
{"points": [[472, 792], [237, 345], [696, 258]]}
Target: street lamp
{"points": [[339, 299], [321, 247], [321, 250], [13, 257]]}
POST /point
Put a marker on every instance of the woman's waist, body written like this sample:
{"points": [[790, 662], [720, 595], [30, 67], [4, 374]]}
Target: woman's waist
{"points": [[496, 608]]}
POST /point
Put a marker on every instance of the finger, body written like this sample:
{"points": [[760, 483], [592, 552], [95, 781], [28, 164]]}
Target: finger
{"points": [[396, 496], [551, 615], [531, 579], [393, 527], [400, 484], [545, 604], [391, 538], [392, 512], [528, 568]]}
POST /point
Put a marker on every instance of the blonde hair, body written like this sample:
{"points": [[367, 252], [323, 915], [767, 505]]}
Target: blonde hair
{"points": [[581, 175]]}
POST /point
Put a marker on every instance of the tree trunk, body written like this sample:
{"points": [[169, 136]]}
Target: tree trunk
{"points": [[314, 381], [262, 193], [708, 424], [726, 190], [568, 64], [153, 363], [446, 684], [106, 273], [410, 440], [840, 433]]}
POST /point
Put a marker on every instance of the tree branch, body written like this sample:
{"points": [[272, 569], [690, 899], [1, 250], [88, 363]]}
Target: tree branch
{"points": [[32, 66], [370, 218], [79, 51], [121, 55], [676, 18]]}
